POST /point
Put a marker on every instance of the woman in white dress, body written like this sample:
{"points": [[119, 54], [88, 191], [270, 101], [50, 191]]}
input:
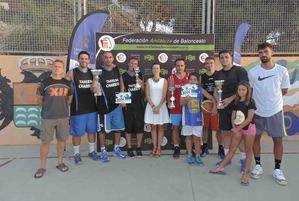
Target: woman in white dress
{"points": [[156, 113]]}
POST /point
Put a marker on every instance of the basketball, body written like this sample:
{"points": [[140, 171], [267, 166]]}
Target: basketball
{"points": [[207, 106]]}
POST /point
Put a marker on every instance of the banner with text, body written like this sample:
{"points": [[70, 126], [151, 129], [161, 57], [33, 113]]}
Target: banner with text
{"points": [[155, 48], [160, 48]]}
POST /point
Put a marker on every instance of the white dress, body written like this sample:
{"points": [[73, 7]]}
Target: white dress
{"points": [[156, 91]]}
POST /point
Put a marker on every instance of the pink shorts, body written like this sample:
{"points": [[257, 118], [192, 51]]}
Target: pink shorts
{"points": [[250, 131]]}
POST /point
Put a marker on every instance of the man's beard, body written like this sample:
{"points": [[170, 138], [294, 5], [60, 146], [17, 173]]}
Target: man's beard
{"points": [[265, 59]]}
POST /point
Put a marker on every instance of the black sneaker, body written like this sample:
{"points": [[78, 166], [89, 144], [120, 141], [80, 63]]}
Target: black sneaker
{"points": [[176, 152], [138, 152], [130, 153], [204, 151], [221, 153]]}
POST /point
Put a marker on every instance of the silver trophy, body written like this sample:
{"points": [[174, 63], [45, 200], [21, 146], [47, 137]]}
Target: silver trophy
{"points": [[218, 86], [137, 70], [95, 74], [171, 88]]}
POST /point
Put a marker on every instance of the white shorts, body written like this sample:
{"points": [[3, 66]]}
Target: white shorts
{"points": [[192, 130]]}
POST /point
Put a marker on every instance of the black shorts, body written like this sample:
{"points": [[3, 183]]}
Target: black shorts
{"points": [[134, 120], [225, 116]]}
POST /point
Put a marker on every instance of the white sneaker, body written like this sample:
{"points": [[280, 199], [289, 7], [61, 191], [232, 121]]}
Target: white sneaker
{"points": [[279, 177], [256, 172]]}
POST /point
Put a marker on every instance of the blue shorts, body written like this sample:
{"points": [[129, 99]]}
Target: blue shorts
{"points": [[176, 119], [84, 123], [113, 121]]}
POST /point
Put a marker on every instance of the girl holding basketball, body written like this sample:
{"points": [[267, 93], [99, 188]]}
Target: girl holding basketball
{"points": [[243, 128], [192, 119]]}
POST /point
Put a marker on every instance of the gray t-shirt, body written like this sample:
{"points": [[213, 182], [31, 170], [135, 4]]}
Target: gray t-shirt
{"points": [[55, 95]]}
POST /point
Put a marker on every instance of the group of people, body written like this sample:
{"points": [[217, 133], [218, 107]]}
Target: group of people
{"points": [[250, 104]]}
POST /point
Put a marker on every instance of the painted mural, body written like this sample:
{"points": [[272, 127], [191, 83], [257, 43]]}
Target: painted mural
{"points": [[291, 99], [19, 110], [20, 113]]}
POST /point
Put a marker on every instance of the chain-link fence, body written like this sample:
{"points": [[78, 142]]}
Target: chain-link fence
{"points": [[35, 26], [276, 21], [161, 16], [45, 26]]}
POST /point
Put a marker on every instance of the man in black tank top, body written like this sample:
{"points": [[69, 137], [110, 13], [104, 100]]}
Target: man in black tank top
{"points": [[84, 117], [111, 117], [134, 112]]}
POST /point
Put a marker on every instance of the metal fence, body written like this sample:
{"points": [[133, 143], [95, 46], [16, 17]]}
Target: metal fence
{"points": [[276, 21], [35, 26], [162, 16]]}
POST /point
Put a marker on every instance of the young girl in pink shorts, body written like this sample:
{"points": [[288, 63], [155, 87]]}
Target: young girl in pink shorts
{"points": [[243, 129]]}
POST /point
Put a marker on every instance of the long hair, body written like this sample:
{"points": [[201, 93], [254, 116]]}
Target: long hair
{"points": [[248, 95]]}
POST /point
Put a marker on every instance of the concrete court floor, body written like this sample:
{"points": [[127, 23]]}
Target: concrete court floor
{"points": [[145, 179]]}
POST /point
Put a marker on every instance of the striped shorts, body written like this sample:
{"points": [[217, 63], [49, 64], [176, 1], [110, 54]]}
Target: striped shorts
{"points": [[273, 125]]}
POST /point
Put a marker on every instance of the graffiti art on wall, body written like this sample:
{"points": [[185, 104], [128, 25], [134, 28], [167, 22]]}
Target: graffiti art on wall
{"points": [[19, 110], [18, 101]]}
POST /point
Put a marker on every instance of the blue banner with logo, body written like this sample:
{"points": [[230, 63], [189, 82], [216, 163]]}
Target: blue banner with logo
{"points": [[239, 39], [84, 37]]}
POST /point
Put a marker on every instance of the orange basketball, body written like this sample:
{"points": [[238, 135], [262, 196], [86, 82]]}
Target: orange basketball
{"points": [[207, 106]]}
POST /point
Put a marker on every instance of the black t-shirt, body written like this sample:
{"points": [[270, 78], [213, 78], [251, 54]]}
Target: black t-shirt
{"points": [[244, 108], [55, 92], [110, 82], [231, 79], [207, 82], [83, 100], [130, 86]]}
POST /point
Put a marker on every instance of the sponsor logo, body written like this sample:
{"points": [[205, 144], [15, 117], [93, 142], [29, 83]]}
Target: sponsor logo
{"points": [[149, 57], [263, 78], [122, 142], [121, 57], [164, 141], [190, 57], [148, 141], [164, 71], [147, 128], [163, 58], [106, 43], [202, 57]]}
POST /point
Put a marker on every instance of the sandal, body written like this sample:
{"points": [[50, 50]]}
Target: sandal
{"points": [[39, 173], [153, 153], [220, 172], [244, 183], [62, 167], [158, 153]]}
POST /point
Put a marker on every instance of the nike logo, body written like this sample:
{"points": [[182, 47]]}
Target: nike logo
{"points": [[262, 78]]}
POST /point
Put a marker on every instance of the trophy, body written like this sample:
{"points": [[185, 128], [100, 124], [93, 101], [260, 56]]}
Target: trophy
{"points": [[137, 70], [240, 118], [95, 74], [218, 86], [171, 88]]}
